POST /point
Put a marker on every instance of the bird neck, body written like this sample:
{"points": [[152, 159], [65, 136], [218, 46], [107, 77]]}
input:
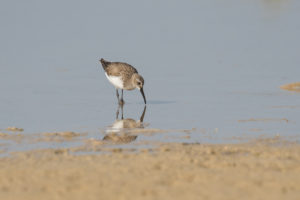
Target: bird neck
{"points": [[133, 79]]}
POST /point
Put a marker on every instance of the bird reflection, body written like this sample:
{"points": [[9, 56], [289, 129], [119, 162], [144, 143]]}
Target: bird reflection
{"points": [[121, 131]]}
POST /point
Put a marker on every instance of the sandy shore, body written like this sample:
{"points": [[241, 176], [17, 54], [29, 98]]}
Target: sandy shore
{"points": [[261, 170]]}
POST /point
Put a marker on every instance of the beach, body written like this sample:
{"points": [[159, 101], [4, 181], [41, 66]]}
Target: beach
{"points": [[262, 169]]}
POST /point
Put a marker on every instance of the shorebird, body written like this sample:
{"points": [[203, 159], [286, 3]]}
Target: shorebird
{"points": [[123, 76]]}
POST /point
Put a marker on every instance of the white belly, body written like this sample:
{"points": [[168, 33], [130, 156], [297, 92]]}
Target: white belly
{"points": [[116, 81]]}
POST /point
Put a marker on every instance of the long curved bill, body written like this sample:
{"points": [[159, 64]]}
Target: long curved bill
{"points": [[142, 91]]}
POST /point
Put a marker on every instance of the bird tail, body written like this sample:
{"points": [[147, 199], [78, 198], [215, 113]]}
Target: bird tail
{"points": [[104, 63]]}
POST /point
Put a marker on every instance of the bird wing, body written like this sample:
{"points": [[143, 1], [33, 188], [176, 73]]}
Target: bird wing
{"points": [[116, 68]]}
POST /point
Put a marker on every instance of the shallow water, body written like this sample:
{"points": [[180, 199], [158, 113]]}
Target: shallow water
{"points": [[212, 69]]}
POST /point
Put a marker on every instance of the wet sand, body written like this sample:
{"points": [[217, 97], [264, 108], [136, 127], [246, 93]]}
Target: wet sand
{"points": [[264, 169], [291, 87]]}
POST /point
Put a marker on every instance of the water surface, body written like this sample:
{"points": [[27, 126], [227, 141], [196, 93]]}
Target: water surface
{"points": [[209, 66]]}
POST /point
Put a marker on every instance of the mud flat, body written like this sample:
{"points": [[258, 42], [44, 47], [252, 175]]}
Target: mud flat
{"points": [[291, 87], [264, 169]]}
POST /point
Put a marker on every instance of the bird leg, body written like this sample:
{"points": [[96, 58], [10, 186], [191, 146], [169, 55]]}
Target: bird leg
{"points": [[117, 113], [121, 102], [117, 92], [122, 117]]}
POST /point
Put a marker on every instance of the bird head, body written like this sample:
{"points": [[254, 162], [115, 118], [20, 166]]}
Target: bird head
{"points": [[138, 82]]}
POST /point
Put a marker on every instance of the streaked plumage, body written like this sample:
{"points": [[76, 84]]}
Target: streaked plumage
{"points": [[123, 76]]}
